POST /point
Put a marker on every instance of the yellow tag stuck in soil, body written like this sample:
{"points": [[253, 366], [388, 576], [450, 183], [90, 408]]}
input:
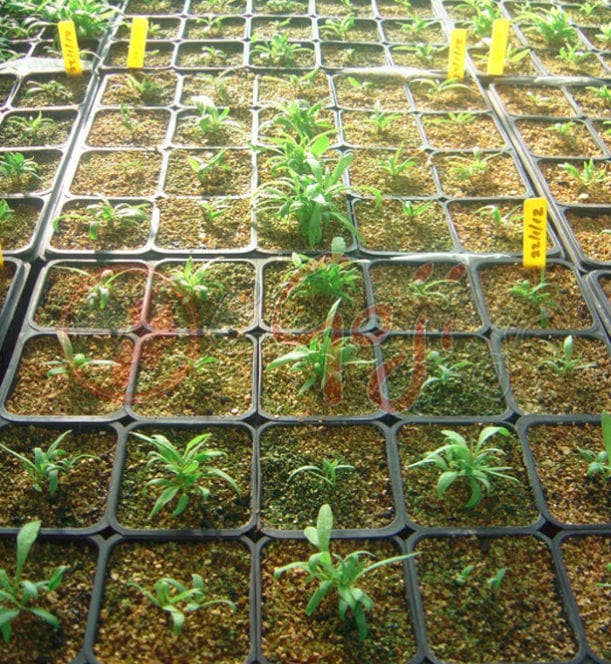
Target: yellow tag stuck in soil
{"points": [[498, 47], [70, 50], [535, 232], [458, 53], [137, 43], [1, 257]]}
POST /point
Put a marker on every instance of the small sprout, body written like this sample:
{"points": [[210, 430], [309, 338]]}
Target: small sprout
{"points": [[590, 173], [573, 55], [606, 585], [211, 26], [6, 213], [213, 208], [301, 119], [147, 88], [414, 211], [183, 473], [337, 574], [502, 222], [211, 56], [565, 130], [600, 462], [455, 119], [212, 120], [176, 598], [472, 168], [280, 6], [109, 216], [203, 168], [415, 26], [425, 53], [436, 89], [17, 594], [539, 296], [563, 362], [337, 28], [494, 582], [395, 166], [469, 460], [463, 576], [71, 364], [47, 466], [603, 92], [362, 86], [56, 90], [195, 284], [382, 119], [277, 51], [31, 128], [326, 473], [443, 374]]}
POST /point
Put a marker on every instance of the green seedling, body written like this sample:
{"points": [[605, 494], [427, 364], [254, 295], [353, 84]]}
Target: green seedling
{"points": [[462, 577], [91, 17], [361, 86], [502, 222], [203, 168], [604, 35], [18, 594], [454, 119], [278, 51], [603, 92], [600, 462], [589, 175], [177, 599], [211, 120], [319, 276], [424, 53], [99, 294], [606, 585], [414, 211], [326, 473], [16, 168], [337, 574], [440, 373], [563, 362], [381, 119], [213, 208], [211, 26], [587, 9], [71, 364], [322, 359], [281, 6], [395, 166], [6, 214], [494, 582], [31, 128], [147, 88], [540, 296], [195, 284], [337, 28], [420, 288], [211, 56], [301, 119], [472, 168], [554, 27], [565, 130], [415, 27], [573, 55], [182, 473], [470, 460], [47, 466], [110, 217], [436, 89], [55, 90]]}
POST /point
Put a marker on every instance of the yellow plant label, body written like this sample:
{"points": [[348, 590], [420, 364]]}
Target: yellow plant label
{"points": [[535, 232], [1, 257], [458, 54], [70, 50], [137, 43], [498, 47]]}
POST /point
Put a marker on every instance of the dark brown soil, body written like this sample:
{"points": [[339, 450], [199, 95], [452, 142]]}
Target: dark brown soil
{"points": [[543, 140], [571, 496], [539, 389], [74, 89], [155, 55], [233, 89], [188, 133], [480, 132], [569, 191], [585, 559], [47, 163], [389, 93], [223, 55], [148, 128], [7, 273], [524, 620], [533, 100], [272, 88], [468, 98], [365, 55], [394, 32], [118, 91], [55, 134], [359, 129], [17, 233], [221, 27]]}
